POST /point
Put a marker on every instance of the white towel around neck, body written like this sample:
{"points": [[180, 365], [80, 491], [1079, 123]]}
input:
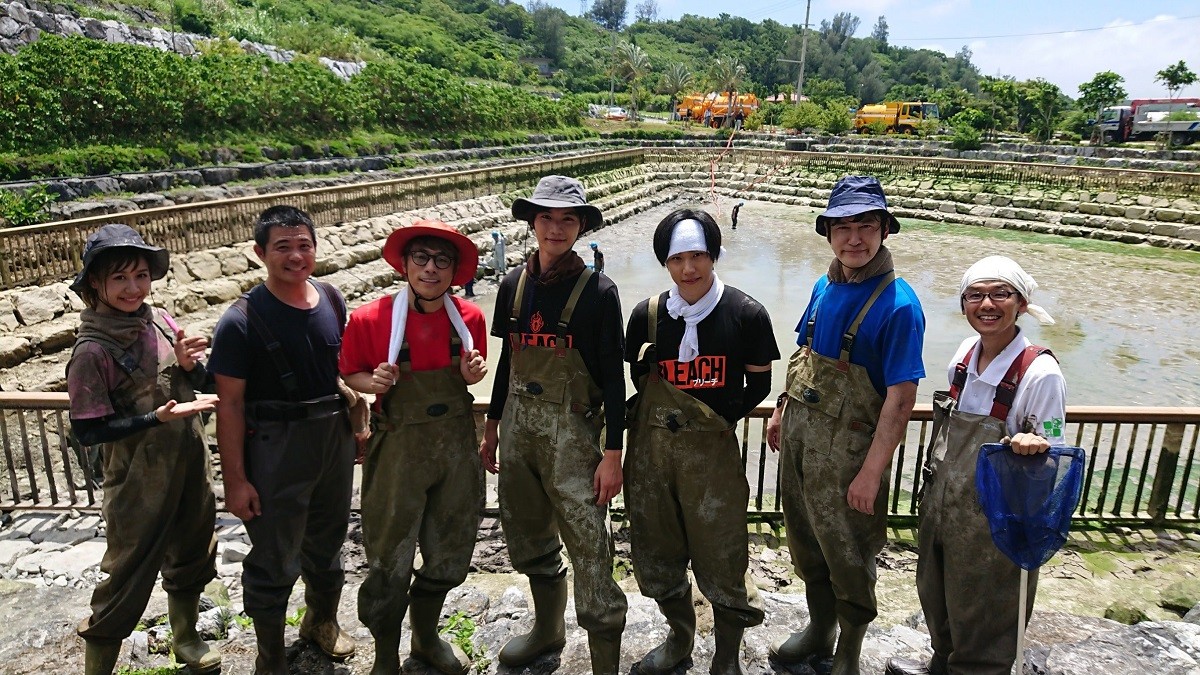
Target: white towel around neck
{"points": [[400, 318], [677, 307]]}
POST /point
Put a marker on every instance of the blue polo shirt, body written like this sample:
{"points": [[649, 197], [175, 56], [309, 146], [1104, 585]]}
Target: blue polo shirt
{"points": [[889, 341]]}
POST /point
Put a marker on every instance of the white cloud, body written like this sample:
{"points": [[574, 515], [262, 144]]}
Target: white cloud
{"points": [[1135, 52]]}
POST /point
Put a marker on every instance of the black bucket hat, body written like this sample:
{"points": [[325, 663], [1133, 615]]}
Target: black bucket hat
{"points": [[558, 192], [120, 235], [853, 195]]}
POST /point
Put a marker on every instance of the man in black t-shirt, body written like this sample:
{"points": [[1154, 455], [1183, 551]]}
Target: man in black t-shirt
{"points": [[700, 355], [287, 451]]}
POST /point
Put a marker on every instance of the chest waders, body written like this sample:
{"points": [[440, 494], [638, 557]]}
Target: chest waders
{"points": [[159, 513], [686, 494], [549, 452], [827, 428], [969, 590], [422, 483]]}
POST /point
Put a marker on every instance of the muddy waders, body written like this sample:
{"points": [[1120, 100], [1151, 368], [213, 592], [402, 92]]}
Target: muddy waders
{"points": [[686, 496], [160, 515], [969, 590], [422, 483], [827, 428], [550, 449]]}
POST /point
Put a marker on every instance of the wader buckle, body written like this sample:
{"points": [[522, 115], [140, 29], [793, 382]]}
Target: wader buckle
{"points": [[673, 423], [588, 412], [534, 388], [810, 395], [437, 410]]}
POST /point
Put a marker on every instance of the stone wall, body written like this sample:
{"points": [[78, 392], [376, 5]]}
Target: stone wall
{"points": [[24, 21]]}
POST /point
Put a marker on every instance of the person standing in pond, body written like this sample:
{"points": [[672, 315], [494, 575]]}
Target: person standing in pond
{"points": [[287, 447], [1002, 389], [597, 257], [132, 382], [499, 259], [700, 355], [851, 387], [733, 215], [422, 482], [560, 379]]}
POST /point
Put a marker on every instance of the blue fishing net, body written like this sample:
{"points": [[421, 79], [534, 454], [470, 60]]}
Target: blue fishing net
{"points": [[1028, 499]]}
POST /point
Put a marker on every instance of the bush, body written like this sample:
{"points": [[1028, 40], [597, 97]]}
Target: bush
{"points": [[27, 208], [972, 117], [966, 138], [837, 118], [874, 128], [928, 128], [807, 115]]}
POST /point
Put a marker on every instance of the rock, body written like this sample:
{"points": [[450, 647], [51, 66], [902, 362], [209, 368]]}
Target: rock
{"points": [[1125, 614], [1167, 648], [72, 562], [38, 304], [234, 551], [204, 265], [1193, 615], [13, 350], [1181, 596]]}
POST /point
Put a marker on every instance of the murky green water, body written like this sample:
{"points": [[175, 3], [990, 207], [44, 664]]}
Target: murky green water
{"points": [[1128, 330]]}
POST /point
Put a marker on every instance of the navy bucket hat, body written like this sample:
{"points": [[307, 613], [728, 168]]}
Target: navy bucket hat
{"points": [[559, 192], [853, 195], [120, 235]]}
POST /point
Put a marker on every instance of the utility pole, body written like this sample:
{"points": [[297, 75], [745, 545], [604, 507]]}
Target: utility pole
{"points": [[803, 53]]}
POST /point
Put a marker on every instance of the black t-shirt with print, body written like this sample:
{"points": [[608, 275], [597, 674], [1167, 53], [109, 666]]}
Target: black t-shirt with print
{"points": [[594, 330], [737, 333]]}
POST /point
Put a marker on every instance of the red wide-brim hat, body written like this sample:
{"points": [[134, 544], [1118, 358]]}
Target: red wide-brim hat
{"points": [[468, 253]]}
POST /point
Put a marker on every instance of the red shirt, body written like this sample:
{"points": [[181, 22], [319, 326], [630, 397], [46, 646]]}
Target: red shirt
{"points": [[365, 342]]}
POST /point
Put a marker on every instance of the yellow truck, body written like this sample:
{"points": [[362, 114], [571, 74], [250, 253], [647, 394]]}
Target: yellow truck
{"points": [[902, 117]]}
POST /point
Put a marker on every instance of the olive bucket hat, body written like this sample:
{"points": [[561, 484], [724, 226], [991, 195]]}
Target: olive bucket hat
{"points": [[558, 192], [119, 235], [853, 195]]}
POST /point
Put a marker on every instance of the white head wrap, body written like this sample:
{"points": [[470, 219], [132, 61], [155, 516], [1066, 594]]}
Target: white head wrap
{"points": [[1000, 268], [687, 236]]}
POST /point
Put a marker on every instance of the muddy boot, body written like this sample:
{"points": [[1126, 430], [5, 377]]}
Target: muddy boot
{"points": [[849, 647], [272, 655], [606, 654], [423, 614], [899, 666], [99, 658], [727, 658], [183, 610], [387, 650], [818, 638], [681, 617], [320, 627], [549, 630]]}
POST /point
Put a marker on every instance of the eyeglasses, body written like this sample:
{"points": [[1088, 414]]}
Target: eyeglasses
{"points": [[998, 295], [441, 260]]}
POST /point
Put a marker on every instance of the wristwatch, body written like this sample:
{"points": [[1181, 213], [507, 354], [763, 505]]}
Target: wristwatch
{"points": [[779, 401]]}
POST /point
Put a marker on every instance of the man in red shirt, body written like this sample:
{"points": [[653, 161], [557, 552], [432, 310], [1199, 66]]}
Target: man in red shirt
{"points": [[417, 352]]}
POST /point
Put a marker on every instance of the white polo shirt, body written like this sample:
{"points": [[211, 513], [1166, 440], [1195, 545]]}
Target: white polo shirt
{"points": [[1041, 395]]}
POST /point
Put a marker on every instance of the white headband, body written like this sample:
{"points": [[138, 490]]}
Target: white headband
{"points": [[1000, 268], [687, 236]]}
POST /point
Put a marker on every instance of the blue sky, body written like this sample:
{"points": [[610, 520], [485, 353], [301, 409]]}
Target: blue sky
{"points": [[1135, 39]]}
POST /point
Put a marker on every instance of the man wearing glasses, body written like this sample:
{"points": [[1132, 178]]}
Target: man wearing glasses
{"points": [[1002, 388], [417, 351], [851, 387]]}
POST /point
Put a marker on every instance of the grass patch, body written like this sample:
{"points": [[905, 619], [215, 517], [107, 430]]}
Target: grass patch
{"points": [[459, 629], [1099, 563], [297, 617], [160, 670]]}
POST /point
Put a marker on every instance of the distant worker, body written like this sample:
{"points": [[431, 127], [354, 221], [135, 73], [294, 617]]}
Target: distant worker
{"points": [[733, 216], [499, 259], [708, 118], [739, 118], [597, 257]]}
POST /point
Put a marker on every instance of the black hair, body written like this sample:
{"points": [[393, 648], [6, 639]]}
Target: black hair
{"points": [[662, 235], [106, 262], [439, 244], [580, 213], [281, 216]]}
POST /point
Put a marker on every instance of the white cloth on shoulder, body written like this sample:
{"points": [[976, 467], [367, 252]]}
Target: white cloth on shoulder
{"points": [[400, 318], [677, 307], [1000, 268]]}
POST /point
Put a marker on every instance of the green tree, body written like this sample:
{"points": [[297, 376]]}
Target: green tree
{"points": [[677, 78], [880, 33], [727, 74], [1103, 90], [609, 13], [632, 66], [646, 10], [1002, 101], [548, 28], [1041, 102], [1175, 78]]}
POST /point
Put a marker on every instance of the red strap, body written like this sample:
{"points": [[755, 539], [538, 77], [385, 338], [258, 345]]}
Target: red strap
{"points": [[960, 374], [1006, 391]]}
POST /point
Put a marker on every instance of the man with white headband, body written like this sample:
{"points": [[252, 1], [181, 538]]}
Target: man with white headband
{"points": [[422, 480], [700, 355], [851, 387], [1002, 388]]}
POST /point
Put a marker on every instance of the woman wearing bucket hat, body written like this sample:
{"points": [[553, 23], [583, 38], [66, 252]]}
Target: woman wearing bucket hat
{"points": [[132, 380], [851, 387], [701, 356], [559, 381], [1001, 387], [417, 351]]}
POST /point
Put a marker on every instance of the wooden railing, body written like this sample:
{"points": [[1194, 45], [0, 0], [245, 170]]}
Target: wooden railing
{"points": [[1141, 462]]}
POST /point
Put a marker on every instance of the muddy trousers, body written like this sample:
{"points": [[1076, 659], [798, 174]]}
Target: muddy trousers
{"points": [[546, 501], [417, 494], [686, 501], [159, 513], [303, 471]]}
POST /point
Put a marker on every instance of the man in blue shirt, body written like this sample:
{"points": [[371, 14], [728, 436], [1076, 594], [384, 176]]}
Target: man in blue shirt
{"points": [[851, 387]]}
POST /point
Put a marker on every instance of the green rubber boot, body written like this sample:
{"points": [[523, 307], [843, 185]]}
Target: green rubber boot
{"points": [[183, 610], [387, 650], [427, 646], [606, 654], [320, 626], [272, 654], [100, 658], [549, 627], [727, 657], [819, 637], [849, 648], [681, 618]]}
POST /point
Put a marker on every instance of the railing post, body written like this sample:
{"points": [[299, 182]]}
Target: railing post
{"points": [[1164, 474]]}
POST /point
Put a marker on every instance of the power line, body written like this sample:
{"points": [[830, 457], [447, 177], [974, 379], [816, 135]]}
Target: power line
{"points": [[1054, 32]]}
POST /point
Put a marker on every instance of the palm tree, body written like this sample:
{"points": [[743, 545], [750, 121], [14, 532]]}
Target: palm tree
{"points": [[677, 78], [727, 74], [632, 66]]}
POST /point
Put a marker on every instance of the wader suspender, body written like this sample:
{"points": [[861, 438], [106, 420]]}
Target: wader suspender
{"points": [[1006, 391], [404, 357], [560, 340], [651, 336], [848, 337], [122, 357], [287, 376]]}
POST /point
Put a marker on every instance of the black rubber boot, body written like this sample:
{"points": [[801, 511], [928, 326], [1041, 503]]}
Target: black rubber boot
{"points": [[681, 617], [272, 655], [427, 646], [549, 627], [899, 666], [387, 650], [606, 654], [819, 637]]}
